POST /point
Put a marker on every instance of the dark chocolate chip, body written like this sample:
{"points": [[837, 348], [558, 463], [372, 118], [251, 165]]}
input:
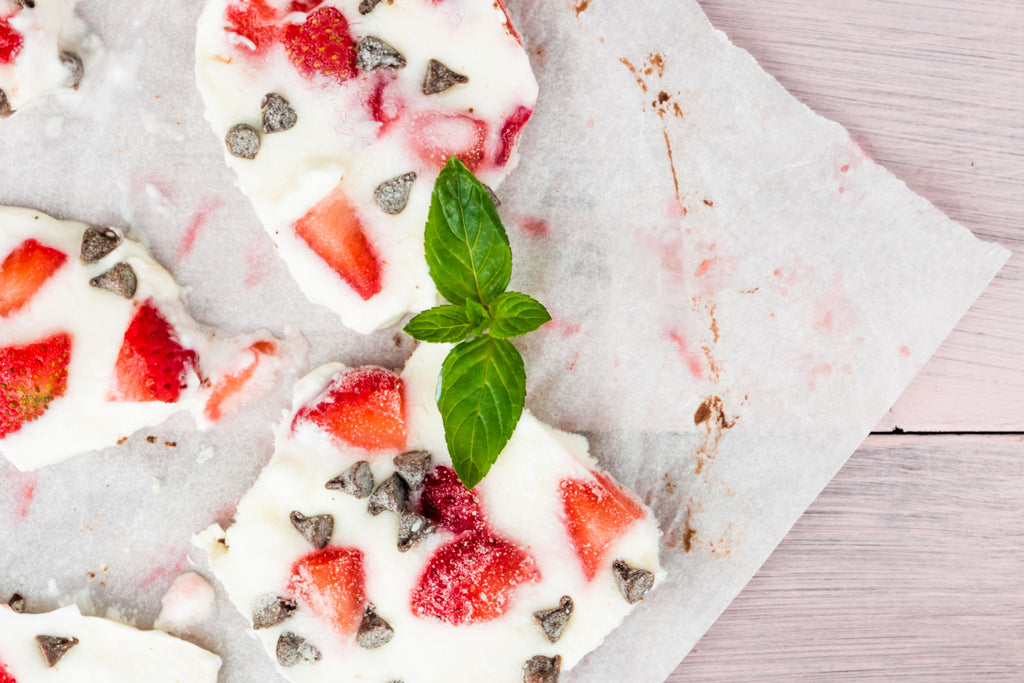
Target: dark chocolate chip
{"points": [[271, 610], [373, 631], [55, 647], [392, 494], [439, 78], [356, 480], [277, 114], [366, 6], [552, 621], [26, 3], [317, 529], [493, 195], [542, 669], [412, 529], [17, 603], [120, 280], [392, 195], [412, 467], [243, 141], [373, 53], [5, 106], [97, 242], [73, 63], [293, 649], [632, 583]]}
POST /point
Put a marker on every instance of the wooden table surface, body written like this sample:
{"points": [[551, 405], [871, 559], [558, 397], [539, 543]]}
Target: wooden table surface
{"points": [[911, 563]]}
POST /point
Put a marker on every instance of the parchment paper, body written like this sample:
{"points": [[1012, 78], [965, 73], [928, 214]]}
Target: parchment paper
{"points": [[739, 294]]}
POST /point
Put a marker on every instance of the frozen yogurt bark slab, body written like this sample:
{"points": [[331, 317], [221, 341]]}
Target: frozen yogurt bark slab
{"points": [[63, 645], [337, 117], [95, 343], [358, 555]]}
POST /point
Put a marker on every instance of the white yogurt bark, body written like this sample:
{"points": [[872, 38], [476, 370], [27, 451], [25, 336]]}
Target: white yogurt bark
{"points": [[510, 582], [369, 99], [95, 343], [63, 645]]}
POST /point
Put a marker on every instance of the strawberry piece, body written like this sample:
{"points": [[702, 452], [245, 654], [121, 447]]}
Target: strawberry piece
{"points": [[304, 5], [151, 365], [510, 132], [447, 503], [364, 407], [332, 583], [24, 272], [255, 21], [231, 385], [6, 677], [322, 45], [30, 377], [435, 137], [472, 579], [384, 102], [333, 230], [11, 42], [597, 512]]}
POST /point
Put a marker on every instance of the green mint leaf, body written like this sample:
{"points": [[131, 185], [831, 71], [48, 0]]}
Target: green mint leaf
{"points": [[477, 315], [513, 314], [441, 324], [466, 245], [482, 391]]}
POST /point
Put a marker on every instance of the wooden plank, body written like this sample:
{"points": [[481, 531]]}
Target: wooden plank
{"points": [[934, 90], [910, 565]]}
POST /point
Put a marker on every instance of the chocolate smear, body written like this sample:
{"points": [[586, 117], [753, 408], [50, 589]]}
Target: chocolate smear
{"points": [[317, 529], [366, 6], [17, 603], [293, 649], [277, 114], [356, 480], [55, 647], [392, 494], [243, 141], [120, 280], [271, 610], [493, 195], [553, 621], [73, 63], [373, 631], [412, 467], [439, 78], [97, 242], [393, 195], [542, 669], [412, 529], [373, 53], [632, 583], [5, 106]]}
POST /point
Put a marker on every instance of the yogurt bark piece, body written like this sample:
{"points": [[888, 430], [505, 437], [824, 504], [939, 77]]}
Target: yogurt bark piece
{"points": [[63, 645], [337, 117], [95, 343], [358, 555]]}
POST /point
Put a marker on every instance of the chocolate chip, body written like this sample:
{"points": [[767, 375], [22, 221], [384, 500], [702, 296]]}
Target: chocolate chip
{"points": [[97, 242], [392, 195], [493, 196], [392, 494], [373, 631], [439, 78], [412, 529], [277, 114], [293, 649], [366, 6], [542, 669], [373, 53], [552, 621], [243, 141], [55, 647], [356, 480], [317, 529], [271, 610], [73, 63], [26, 3], [412, 467], [120, 280], [5, 106], [17, 603], [632, 583]]}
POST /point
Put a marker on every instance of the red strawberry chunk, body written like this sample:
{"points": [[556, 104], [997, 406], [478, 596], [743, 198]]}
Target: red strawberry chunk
{"points": [[5, 677], [254, 20], [151, 365], [11, 42], [510, 132], [30, 377], [333, 230], [384, 102], [322, 45], [472, 579], [364, 407], [435, 137], [227, 389], [332, 583], [447, 503], [303, 5], [24, 272], [597, 513]]}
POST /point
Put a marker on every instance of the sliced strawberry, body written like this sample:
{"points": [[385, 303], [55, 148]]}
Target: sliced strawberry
{"points": [[24, 272], [597, 512], [472, 579], [6, 677], [364, 407], [254, 20], [231, 385], [322, 45], [304, 5], [30, 377], [384, 102], [510, 132], [435, 137], [11, 42], [333, 230], [447, 503], [332, 583], [151, 365]]}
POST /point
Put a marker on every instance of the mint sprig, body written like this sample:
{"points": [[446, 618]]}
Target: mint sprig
{"points": [[482, 388]]}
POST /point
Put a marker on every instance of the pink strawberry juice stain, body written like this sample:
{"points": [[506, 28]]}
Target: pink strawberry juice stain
{"points": [[195, 226], [26, 494], [691, 360]]}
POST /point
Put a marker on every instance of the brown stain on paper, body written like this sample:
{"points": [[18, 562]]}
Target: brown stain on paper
{"points": [[581, 7]]}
